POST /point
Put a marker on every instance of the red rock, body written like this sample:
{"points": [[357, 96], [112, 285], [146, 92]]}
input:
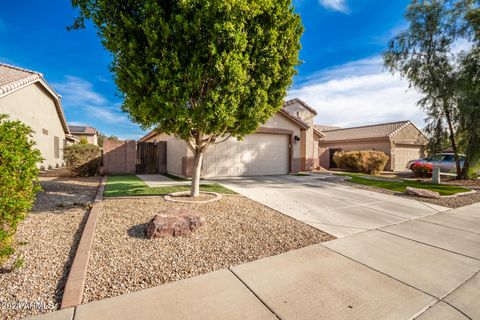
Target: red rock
{"points": [[424, 193], [173, 223]]}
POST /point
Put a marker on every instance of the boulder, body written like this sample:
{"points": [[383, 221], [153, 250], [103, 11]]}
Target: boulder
{"points": [[424, 193], [173, 223]]}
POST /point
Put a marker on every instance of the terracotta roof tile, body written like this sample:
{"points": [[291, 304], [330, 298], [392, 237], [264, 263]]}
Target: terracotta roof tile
{"points": [[12, 78], [383, 130], [323, 127]]}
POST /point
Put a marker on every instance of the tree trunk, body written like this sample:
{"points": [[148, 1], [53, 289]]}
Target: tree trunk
{"points": [[454, 143], [197, 172]]}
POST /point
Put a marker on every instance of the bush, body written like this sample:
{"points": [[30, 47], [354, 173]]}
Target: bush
{"points": [[18, 180], [371, 162], [422, 170], [83, 159]]}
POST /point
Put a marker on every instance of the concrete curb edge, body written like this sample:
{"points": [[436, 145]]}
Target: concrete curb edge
{"points": [[73, 293]]}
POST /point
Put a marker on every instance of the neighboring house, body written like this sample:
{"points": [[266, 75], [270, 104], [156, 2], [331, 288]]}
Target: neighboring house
{"points": [[401, 141], [286, 143], [89, 133], [26, 96]]}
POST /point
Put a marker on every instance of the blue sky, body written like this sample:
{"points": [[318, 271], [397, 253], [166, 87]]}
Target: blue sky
{"points": [[341, 76]]}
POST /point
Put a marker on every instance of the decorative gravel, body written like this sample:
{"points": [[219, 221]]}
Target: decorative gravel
{"points": [[237, 230], [50, 235]]}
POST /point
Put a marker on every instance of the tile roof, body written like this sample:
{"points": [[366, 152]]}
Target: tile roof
{"points": [[323, 127], [301, 102], [383, 130], [12, 78], [82, 130], [302, 124]]}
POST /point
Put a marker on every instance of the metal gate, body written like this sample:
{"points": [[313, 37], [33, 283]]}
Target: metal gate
{"points": [[151, 157]]}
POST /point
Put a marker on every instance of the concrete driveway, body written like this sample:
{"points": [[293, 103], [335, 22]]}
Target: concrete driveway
{"points": [[332, 207]]}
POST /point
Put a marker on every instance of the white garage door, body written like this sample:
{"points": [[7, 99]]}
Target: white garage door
{"points": [[405, 153], [257, 154]]}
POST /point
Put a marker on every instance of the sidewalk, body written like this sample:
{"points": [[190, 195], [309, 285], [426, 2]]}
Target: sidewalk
{"points": [[426, 268]]}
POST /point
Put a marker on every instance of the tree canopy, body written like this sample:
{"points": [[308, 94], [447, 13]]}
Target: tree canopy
{"points": [[201, 70], [427, 56]]}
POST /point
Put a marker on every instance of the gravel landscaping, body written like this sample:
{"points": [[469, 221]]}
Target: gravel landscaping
{"points": [[451, 202], [237, 230], [49, 236]]}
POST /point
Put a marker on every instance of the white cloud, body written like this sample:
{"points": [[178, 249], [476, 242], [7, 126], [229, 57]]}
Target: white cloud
{"points": [[336, 5], [79, 93], [359, 93], [107, 114]]}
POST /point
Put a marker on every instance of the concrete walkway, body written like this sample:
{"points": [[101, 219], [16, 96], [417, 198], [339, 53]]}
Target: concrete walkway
{"points": [[422, 268], [334, 208]]}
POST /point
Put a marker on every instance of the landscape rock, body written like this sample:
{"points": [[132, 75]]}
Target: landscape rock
{"points": [[174, 223], [422, 193]]}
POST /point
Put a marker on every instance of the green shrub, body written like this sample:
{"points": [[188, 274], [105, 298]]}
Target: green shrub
{"points": [[83, 159], [371, 162], [18, 180]]}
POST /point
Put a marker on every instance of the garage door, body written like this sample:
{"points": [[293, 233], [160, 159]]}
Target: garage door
{"points": [[405, 153], [257, 154]]}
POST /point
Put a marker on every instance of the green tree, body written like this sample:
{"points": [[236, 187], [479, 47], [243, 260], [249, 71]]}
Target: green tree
{"points": [[102, 137], [202, 70], [424, 55], [83, 140], [469, 98], [18, 180]]}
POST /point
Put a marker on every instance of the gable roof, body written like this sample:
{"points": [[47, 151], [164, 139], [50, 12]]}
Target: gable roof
{"points": [[299, 122], [13, 78], [85, 130], [383, 130], [323, 127], [302, 124], [302, 103], [318, 132]]}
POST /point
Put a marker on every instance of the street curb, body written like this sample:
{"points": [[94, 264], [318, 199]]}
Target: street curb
{"points": [[73, 293]]}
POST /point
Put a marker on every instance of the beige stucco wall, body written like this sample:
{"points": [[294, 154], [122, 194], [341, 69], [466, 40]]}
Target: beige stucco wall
{"points": [[377, 145], [35, 107], [409, 135], [309, 148], [91, 139], [176, 150], [280, 122]]}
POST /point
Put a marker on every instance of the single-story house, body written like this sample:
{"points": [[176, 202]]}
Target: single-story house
{"points": [[401, 141], [89, 133], [26, 96], [286, 143]]}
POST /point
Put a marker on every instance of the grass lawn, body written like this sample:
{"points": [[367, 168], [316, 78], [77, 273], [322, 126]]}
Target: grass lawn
{"points": [[122, 186], [443, 189]]}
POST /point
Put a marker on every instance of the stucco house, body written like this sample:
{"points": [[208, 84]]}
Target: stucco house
{"points": [[286, 143], [26, 96], [89, 133], [401, 141]]}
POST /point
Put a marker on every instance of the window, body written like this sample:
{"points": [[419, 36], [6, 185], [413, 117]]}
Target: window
{"points": [[449, 158], [437, 157], [45, 132], [56, 147]]}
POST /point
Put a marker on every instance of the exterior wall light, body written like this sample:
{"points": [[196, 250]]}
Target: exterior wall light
{"points": [[297, 139]]}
